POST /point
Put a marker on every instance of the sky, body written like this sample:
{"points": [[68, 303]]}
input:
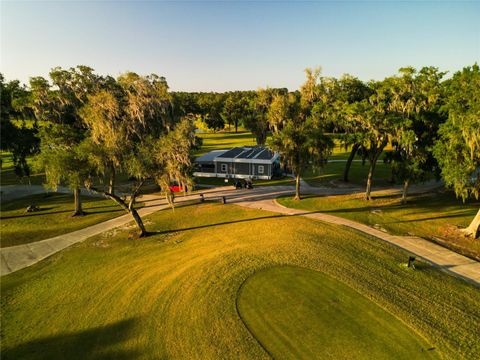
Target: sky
{"points": [[228, 45]]}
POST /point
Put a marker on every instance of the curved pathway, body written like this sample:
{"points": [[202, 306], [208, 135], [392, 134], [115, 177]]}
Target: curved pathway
{"points": [[262, 197]]}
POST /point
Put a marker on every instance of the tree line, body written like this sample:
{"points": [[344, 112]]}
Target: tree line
{"points": [[431, 122]]}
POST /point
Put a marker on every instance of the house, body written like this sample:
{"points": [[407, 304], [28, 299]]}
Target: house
{"points": [[238, 163]]}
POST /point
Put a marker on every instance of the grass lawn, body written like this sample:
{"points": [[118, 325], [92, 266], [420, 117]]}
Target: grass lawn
{"points": [[174, 294], [54, 219], [224, 140], [432, 216], [333, 171], [7, 174], [298, 313]]}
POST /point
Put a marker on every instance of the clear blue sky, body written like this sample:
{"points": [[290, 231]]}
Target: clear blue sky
{"points": [[217, 46]]}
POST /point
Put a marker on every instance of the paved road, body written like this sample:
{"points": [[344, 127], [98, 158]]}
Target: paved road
{"points": [[17, 257]]}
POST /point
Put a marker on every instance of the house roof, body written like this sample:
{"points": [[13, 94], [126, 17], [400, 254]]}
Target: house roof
{"points": [[209, 157], [252, 154]]}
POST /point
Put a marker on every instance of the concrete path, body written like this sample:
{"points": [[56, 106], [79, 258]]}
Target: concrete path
{"points": [[262, 197], [445, 259], [14, 258]]}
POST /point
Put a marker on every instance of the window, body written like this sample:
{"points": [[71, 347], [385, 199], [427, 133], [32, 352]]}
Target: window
{"points": [[261, 169], [224, 167]]}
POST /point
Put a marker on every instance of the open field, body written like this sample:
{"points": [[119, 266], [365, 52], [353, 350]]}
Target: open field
{"points": [[54, 218], [432, 216], [322, 319], [173, 295]]}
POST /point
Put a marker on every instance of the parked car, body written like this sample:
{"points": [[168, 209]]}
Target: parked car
{"points": [[176, 188]]}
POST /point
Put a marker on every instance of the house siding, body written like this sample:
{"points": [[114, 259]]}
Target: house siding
{"points": [[267, 170], [242, 168]]}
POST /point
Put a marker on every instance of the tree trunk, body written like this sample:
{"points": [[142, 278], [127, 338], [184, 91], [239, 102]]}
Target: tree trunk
{"points": [[349, 161], [111, 184], [369, 179], [473, 229], [406, 183], [78, 202], [127, 207], [139, 222], [236, 126], [373, 163], [297, 187]]}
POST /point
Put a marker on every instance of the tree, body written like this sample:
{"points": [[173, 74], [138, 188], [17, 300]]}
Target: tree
{"points": [[133, 127], [416, 99], [300, 133], [61, 159], [211, 107], [349, 90], [235, 108], [458, 149], [17, 138], [59, 105], [376, 121]]}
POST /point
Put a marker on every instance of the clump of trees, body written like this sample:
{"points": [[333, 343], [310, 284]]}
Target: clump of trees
{"points": [[458, 148], [299, 127], [94, 127], [18, 133]]}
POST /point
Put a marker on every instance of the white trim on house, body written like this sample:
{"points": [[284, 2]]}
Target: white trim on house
{"points": [[204, 174]]}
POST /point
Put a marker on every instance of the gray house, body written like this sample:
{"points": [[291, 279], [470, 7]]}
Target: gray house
{"points": [[238, 163]]}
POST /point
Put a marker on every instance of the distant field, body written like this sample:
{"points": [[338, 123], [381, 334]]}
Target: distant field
{"points": [[173, 295], [434, 215]]}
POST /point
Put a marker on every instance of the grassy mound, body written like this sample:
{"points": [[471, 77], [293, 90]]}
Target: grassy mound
{"points": [[173, 295], [297, 313]]}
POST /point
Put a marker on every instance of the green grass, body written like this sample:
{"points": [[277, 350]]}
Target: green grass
{"points": [[431, 216], [18, 227], [224, 140], [298, 313], [7, 174], [333, 171], [173, 295]]}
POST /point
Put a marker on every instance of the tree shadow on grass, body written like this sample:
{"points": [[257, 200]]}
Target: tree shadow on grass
{"points": [[95, 343], [223, 223], [42, 213]]}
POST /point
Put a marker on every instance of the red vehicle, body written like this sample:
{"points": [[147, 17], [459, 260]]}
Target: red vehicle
{"points": [[176, 188]]}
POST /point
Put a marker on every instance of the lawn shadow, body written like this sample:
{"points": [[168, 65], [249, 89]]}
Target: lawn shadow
{"points": [[216, 224], [95, 343], [42, 213]]}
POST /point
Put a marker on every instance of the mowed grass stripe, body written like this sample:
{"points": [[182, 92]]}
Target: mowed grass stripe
{"points": [[298, 313], [173, 295]]}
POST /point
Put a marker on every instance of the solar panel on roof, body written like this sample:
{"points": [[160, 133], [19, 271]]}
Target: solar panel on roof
{"points": [[232, 153], [266, 155]]}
